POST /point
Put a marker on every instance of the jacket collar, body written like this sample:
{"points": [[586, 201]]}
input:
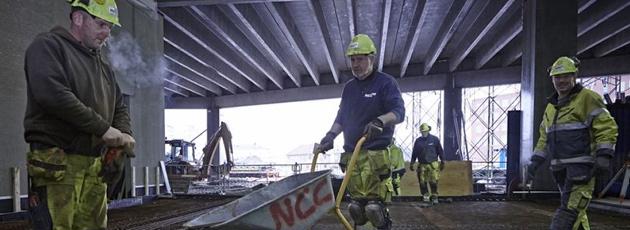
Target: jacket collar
{"points": [[553, 99], [65, 34]]}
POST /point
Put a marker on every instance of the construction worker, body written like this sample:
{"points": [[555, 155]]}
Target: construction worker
{"points": [[75, 113], [427, 149], [398, 166], [371, 104], [578, 134]]}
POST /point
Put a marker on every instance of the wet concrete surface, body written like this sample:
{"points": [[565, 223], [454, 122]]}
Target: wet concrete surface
{"points": [[172, 213], [480, 215]]}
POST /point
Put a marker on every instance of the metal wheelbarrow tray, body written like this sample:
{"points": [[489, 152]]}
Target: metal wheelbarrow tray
{"points": [[296, 202]]}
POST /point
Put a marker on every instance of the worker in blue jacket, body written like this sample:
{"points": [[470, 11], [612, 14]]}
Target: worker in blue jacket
{"points": [[371, 104]]}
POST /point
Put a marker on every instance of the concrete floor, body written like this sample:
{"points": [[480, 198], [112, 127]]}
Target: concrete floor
{"points": [[480, 215], [171, 213]]}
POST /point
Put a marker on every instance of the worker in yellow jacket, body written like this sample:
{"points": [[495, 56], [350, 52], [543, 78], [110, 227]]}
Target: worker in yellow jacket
{"points": [[578, 134]]}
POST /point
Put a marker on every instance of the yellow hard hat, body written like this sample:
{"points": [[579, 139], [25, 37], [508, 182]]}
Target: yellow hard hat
{"points": [[564, 65], [361, 44], [103, 9], [424, 127]]}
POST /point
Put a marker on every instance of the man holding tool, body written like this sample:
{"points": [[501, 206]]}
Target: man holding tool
{"points": [[76, 122], [371, 105]]}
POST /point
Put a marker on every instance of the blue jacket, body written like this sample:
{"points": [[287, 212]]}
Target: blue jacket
{"points": [[362, 102], [426, 150]]}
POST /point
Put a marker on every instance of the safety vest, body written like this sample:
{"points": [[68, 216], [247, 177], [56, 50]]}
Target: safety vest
{"points": [[574, 128]]}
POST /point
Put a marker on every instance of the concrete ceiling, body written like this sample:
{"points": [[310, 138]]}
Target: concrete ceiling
{"points": [[226, 48]]}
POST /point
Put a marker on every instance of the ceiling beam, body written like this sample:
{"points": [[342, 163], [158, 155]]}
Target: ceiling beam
{"points": [[174, 89], [208, 60], [266, 46], [513, 51], [181, 3], [183, 71], [196, 32], [184, 57], [324, 37], [387, 9], [584, 4], [285, 24], [351, 18], [598, 13], [418, 22], [455, 16], [513, 27], [614, 43], [184, 84], [465, 48], [613, 25], [238, 43], [604, 66]]}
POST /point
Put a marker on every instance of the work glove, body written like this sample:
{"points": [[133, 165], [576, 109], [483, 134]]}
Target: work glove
{"points": [[327, 142], [441, 165], [113, 137], [411, 167], [373, 129], [602, 164], [128, 143], [536, 161]]}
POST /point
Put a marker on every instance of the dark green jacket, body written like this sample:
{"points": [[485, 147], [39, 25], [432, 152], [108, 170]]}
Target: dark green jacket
{"points": [[73, 97]]}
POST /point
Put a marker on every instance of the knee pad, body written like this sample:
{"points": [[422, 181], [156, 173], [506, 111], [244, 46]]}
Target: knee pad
{"points": [[378, 214], [357, 212]]}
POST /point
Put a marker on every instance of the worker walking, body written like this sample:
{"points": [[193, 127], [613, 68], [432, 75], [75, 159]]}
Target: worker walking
{"points": [[398, 166], [427, 149], [371, 105], [578, 134], [75, 113]]}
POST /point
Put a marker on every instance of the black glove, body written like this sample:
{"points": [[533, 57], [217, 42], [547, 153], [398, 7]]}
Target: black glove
{"points": [[602, 164], [441, 165], [536, 161], [411, 167], [373, 129], [327, 142]]}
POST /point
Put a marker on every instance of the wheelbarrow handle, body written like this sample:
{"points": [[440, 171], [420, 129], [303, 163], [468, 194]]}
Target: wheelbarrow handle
{"points": [[346, 179]]}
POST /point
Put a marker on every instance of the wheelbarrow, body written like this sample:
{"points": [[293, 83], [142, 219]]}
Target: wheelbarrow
{"points": [[295, 202]]}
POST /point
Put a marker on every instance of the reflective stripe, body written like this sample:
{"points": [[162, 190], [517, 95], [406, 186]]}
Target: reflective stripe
{"points": [[593, 115], [542, 154], [566, 126], [605, 146], [582, 159]]}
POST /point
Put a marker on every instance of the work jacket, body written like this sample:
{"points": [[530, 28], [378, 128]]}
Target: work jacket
{"points": [[576, 128]]}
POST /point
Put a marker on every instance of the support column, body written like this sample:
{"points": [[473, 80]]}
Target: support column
{"points": [[452, 120], [212, 126], [550, 31]]}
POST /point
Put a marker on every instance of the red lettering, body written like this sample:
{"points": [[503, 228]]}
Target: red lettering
{"points": [[277, 213], [298, 210], [316, 199]]}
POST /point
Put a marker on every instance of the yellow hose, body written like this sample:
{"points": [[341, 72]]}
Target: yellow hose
{"points": [[344, 183]]}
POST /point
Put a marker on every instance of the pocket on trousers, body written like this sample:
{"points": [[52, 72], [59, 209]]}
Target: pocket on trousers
{"points": [[48, 164], [579, 173], [380, 163]]}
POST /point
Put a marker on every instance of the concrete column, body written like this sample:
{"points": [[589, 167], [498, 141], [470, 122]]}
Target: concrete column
{"points": [[550, 31], [452, 120], [213, 125]]}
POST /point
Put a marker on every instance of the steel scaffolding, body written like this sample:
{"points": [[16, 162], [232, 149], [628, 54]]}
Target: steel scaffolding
{"points": [[421, 107]]}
